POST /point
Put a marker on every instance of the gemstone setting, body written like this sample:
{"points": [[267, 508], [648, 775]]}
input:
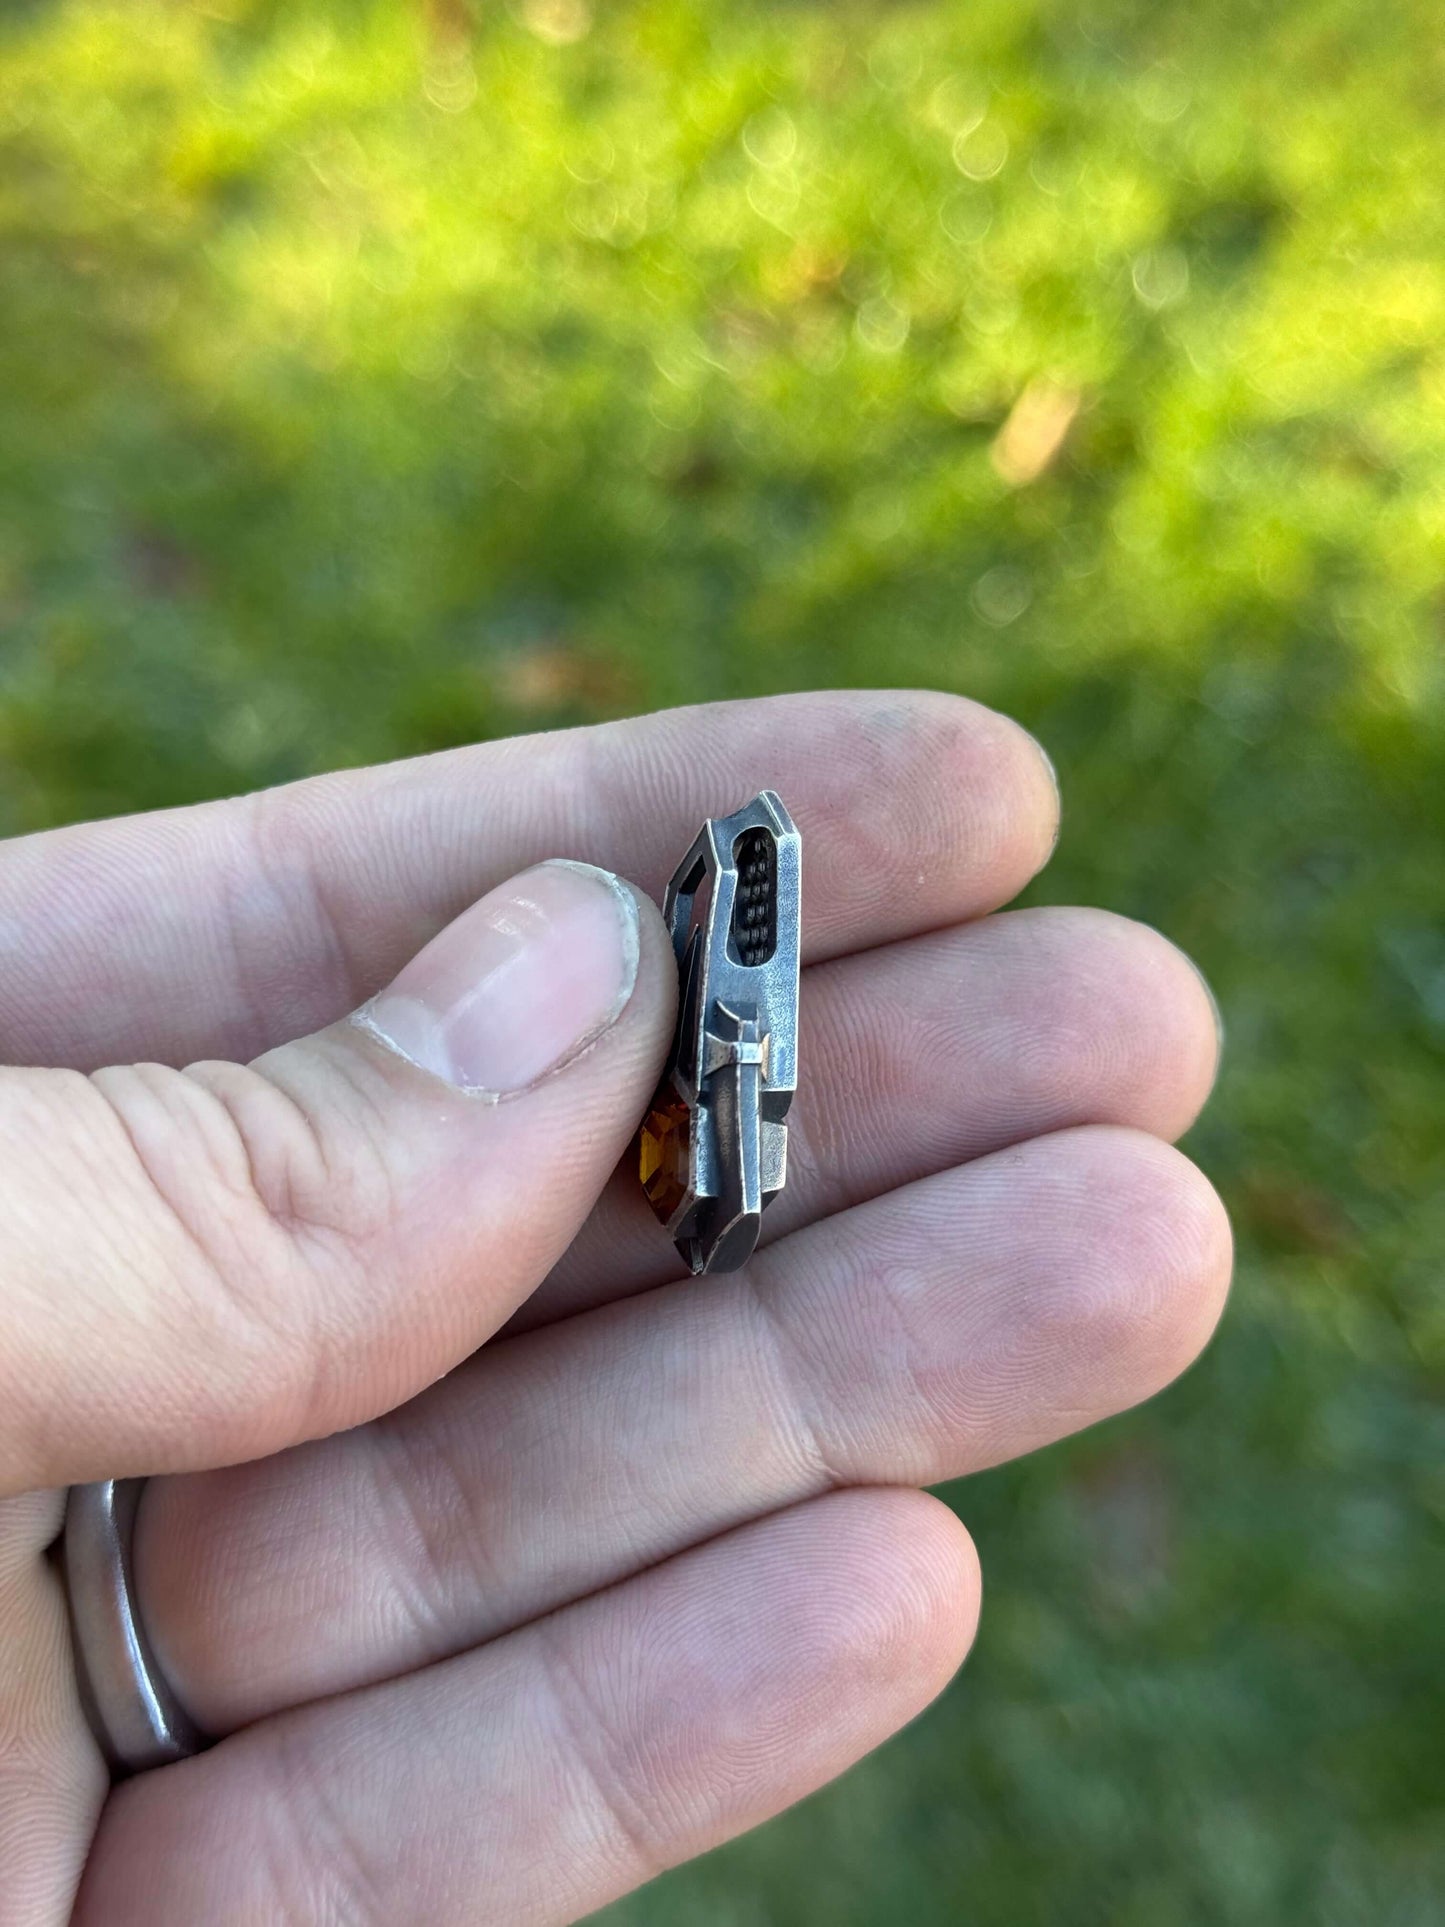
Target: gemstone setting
{"points": [[664, 1155]]}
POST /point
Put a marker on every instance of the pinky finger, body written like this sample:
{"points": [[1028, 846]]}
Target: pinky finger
{"points": [[541, 1776]]}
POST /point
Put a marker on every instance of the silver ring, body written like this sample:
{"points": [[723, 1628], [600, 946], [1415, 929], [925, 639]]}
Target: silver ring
{"points": [[135, 1716]]}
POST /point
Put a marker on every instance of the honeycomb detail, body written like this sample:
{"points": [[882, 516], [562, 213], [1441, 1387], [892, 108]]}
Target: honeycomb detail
{"points": [[755, 905]]}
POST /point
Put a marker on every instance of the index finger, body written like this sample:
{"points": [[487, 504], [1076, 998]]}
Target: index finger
{"points": [[228, 928]]}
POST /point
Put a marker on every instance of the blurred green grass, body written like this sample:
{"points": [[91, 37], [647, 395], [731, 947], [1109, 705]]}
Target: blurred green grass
{"points": [[376, 377]]}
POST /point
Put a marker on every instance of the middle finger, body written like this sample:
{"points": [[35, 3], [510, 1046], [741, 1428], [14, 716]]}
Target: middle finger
{"points": [[922, 1054]]}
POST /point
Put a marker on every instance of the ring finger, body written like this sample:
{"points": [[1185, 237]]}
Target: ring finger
{"points": [[549, 1772], [959, 1321]]}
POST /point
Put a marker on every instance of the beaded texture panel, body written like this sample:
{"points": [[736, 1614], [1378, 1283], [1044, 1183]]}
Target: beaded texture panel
{"points": [[755, 906]]}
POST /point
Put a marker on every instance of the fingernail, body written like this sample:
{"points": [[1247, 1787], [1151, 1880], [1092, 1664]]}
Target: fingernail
{"points": [[1208, 989], [1053, 776], [518, 984]]}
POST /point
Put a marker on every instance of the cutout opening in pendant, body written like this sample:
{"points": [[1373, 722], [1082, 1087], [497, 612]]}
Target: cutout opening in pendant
{"points": [[754, 932]]}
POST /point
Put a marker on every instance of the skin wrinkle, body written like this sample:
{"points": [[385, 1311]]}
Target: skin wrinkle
{"points": [[273, 889], [310, 1837], [52, 1780], [333, 844], [158, 1267], [404, 1464], [811, 1452], [289, 1168], [563, 1679], [945, 1422], [226, 1248]]}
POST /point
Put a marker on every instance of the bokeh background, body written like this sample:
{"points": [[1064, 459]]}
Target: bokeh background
{"points": [[378, 377]]}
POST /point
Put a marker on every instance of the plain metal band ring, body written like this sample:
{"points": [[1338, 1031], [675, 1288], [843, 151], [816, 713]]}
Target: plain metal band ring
{"points": [[136, 1717]]}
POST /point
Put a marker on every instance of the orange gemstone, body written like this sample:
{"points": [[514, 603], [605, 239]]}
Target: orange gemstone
{"points": [[663, 1156]]}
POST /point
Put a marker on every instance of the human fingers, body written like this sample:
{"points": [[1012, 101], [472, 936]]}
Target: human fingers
{"points": [[232, 927], [925, 1053], [52, 1778], [955, 1323], [206, 1265], [539, 1777]]}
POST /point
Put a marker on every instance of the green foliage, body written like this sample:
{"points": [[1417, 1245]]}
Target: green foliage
{"points": [[378, 376]]}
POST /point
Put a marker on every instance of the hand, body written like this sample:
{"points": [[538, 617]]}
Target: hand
{"points": [[506, 1564]]}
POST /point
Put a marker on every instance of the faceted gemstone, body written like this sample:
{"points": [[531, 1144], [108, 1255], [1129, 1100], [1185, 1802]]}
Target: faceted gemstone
{"points": [[663, 1155]]}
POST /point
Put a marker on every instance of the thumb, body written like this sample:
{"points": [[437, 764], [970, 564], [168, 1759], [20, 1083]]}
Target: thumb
{"points": [[202, 1266]]}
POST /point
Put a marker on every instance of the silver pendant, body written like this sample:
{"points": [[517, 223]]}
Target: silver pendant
{"points": [[714, 1147]]}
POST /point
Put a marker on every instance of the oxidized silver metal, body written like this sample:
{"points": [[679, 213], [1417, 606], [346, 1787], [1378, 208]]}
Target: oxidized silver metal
{"points": [[714, 1147], [133, 1712]]}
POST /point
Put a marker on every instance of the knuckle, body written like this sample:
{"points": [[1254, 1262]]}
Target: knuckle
{"points": [[312, 1134], [602, 1753], [279, 905], [432, 1537], [313, 1862]]}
